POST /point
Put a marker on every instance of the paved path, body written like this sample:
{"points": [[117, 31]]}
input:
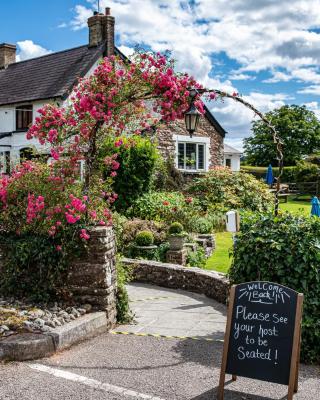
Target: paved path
{"points": [[175, 313], [124, 367]]}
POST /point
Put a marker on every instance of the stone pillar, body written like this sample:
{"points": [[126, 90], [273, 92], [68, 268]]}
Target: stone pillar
{"points": [[92, 278], [177, 257]]}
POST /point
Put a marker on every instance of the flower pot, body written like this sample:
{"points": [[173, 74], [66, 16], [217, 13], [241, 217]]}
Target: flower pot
{"points": [[176, 242]]}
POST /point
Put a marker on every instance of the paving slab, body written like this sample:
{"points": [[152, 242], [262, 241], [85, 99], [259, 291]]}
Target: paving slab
{"points": [[174, 312]]}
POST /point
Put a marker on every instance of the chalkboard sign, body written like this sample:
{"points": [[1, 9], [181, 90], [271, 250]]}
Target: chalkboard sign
{"points": [[263, 334]]}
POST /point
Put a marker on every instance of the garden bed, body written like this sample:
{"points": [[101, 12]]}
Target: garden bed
{"points": [[23, 317]]}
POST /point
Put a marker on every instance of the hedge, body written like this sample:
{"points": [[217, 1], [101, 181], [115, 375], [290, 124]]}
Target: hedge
{"points": [[285, 250], [302, 172]]}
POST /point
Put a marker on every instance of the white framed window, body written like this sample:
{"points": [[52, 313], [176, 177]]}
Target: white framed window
{"points": [[192, 154]]}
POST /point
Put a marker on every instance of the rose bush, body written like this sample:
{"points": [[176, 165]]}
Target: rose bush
{"points": [[221, 190]]}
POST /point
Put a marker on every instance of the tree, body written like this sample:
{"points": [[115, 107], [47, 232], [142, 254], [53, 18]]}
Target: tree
{"points": [[120, 97], [297, 127]]}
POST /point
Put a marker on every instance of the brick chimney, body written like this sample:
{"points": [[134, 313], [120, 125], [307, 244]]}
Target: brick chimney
{"points": [[101, 29], [7, 54]]}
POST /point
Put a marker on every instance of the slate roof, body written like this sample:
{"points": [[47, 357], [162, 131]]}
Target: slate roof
{"points": [[230, 149], [214, 122], [49, 76]]}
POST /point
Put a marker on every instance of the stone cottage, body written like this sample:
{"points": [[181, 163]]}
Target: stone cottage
{"points": [[26, 86]]}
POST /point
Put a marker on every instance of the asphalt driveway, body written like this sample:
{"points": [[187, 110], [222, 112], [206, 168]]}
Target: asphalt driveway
{"points": [[161, 367]]}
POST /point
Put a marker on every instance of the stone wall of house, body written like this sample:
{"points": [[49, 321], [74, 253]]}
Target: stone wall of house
{"points": [[92, 278], [166, 144], [210, 283]]}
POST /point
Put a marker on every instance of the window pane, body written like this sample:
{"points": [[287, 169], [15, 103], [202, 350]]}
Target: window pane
{"points": [[228, 162], [200, 156], [23, 117], [191, 162], [181, 155]]}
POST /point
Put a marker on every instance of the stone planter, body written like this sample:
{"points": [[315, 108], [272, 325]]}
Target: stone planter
{"points": [[176, 242], [209, 238], [144, 251]]}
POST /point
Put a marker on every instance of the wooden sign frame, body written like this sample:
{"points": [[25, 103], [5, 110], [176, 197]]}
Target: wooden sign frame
{"points": [[295, 355]]}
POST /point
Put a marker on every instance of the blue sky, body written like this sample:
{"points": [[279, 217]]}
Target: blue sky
{"points": [[267, 50]]}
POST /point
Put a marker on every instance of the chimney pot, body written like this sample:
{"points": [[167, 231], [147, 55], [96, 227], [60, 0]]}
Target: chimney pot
{"points": [[108, 11], [7, 54]]}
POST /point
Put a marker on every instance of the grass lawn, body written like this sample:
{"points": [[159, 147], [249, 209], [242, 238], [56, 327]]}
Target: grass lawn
{"points": [[297, 207], [220, 261]]}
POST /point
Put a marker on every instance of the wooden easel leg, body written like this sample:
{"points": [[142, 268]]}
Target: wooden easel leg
{"points": [[296, 382], [234, 377], [221, 386]]}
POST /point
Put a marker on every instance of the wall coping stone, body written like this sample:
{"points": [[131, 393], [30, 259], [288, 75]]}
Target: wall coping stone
{"points": [[210, 283]]}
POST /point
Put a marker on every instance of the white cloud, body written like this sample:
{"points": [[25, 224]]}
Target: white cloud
{"points": [[27, 49], [241, 77], [313, 89], [82, 15], [276, 36]]}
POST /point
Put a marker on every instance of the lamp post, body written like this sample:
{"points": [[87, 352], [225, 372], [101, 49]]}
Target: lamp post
{"points": [[192, 115]]}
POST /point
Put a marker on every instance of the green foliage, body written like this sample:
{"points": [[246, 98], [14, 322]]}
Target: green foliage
{"points": [[175, 228], [33, 268], [144, 238], [307, 172], [304, 171], [167, 176], [202, 225], [124, 275], [166, 207], [196, 258], [288, 175], [221, 190], [298, 128], [285, 250], [137, 157], [127, 229]]}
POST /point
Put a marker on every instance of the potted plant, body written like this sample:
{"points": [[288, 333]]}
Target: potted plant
{"points": [[144, 244], [176, 236]]}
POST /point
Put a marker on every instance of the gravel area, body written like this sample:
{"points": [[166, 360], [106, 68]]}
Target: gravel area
{"points": [[19, 316]]}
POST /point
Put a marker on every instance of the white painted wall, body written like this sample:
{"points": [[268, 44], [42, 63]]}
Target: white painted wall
{"points": [[235, 161], [7, 119]]}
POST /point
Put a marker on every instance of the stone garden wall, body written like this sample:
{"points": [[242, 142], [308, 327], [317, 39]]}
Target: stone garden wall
{"points": [[212, 284]]}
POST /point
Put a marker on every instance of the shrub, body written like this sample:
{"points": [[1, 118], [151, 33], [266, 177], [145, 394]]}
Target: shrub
{"points": [[124, 314], [144, 238], [221, 190], [196, 258], [135, 158], [285, 250], [307, 172], [175, 228], [203, 225], [166, 176], [43, 223], [167, 207], [304, 171], [127, 229]]}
